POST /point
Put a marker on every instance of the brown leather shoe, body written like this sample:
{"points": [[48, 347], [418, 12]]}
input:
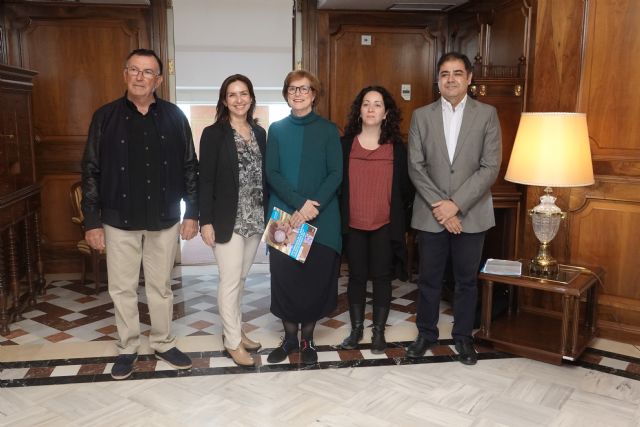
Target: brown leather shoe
{"points": [[240, 356], [250, 345]]}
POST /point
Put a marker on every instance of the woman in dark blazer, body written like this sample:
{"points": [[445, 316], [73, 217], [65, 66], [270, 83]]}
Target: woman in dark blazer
{"points": [[232, 203], [375, 197]]}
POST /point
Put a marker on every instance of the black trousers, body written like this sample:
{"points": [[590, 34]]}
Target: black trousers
{"points": [[465, 250], [370, 256]]}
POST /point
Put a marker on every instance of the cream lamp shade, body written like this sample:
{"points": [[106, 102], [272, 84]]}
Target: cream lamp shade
{"points": [[551, 150]]}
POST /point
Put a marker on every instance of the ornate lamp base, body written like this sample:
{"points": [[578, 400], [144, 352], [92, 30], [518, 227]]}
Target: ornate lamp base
{"points": [[543, 264]]}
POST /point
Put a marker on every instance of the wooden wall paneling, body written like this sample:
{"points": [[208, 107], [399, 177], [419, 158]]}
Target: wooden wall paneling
{"points": [[465, 34], [612, 110], [159, 40], [555, 75], [396, 56], [79, 52], [309, 35], [509, 33], [553, 85], [604, 231], [577, 44], [3, 39], [330, 22]]}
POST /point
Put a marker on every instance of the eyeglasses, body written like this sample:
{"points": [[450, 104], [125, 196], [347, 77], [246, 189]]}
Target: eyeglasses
{"points": [[147, 74], [291, 90]]}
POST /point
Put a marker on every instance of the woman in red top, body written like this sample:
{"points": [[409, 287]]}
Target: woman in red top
{"points": [[376, 195]]}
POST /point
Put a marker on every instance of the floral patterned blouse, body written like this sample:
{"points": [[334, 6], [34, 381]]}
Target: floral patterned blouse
{"points": [[250, 215]]}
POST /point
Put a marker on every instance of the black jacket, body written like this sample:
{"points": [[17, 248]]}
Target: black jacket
{"points": [[219, 175], [105, 166], [401, 200]]}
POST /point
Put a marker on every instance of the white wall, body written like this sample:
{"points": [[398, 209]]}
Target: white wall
{"points": [[217, 38]]}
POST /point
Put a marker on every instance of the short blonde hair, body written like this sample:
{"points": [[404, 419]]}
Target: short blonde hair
{"points": [[301, 74]]}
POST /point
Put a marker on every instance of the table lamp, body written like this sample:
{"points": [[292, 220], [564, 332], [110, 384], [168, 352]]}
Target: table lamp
{"points": [[550, 150]]}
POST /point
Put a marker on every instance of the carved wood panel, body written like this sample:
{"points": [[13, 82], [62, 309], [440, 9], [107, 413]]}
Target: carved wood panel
{"points": [[73, 78], [328, 25], [396, 56], [612, 110]]}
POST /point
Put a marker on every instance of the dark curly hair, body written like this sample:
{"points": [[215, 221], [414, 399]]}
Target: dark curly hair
{"points": [[390, 125]]}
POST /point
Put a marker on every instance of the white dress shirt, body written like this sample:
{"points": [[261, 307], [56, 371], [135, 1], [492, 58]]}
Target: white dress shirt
{"points": [[452, 120]]}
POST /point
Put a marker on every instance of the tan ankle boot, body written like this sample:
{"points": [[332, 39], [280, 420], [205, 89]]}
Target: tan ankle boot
{"points": [[250, 345], [240, 356]]}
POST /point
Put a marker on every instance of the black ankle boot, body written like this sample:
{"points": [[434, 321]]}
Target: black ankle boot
{"points": [[378, 343], [356, 313]]}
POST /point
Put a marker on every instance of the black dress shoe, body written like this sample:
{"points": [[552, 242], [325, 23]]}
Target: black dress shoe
{"points": [[419, 347], [308, 352], [285, 348], [466, 353]]}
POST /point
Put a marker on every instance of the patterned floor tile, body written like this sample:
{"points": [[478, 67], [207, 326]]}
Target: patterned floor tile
{"points": [[71, 312]]}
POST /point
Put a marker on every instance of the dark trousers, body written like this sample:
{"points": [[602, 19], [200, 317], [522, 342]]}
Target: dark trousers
{"points": [[370, 256], [465, 250]]}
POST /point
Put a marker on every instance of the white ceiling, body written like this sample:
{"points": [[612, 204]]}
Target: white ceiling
{"points": [[407, 5]]}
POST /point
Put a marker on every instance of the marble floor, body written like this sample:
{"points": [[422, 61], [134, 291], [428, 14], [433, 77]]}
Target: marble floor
{"points": [[55, 364]]}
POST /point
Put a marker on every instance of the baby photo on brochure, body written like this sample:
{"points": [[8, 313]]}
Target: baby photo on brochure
{"points": [[281, 235]]}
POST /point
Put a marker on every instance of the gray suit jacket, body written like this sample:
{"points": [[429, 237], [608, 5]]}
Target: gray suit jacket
{"points": [[467, 181]]}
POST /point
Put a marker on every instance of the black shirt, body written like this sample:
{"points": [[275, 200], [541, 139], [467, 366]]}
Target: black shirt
{"points": [[144, 171]]}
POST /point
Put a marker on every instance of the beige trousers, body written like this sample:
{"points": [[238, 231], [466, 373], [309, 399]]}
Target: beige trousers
{"points": [[234, 261], [156, 250]]}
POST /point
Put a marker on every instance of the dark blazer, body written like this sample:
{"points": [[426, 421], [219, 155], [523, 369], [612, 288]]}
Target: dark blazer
{"points": [[401, 199], [219, 175]]}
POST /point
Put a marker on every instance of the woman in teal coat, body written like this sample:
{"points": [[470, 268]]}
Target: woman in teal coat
{"points": [[304, 172]]}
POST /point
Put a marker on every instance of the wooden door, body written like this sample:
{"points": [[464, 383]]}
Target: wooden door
{"points": [[395, 56]]}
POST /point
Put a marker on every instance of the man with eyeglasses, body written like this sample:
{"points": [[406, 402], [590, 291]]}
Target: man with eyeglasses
{"points": [[138, 164]]}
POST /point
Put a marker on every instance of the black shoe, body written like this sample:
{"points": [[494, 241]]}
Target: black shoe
{"points": [[466, 353], [351, 342], [356, 314], [378, 343], [123, 366], [175, 358], [280, 353], [308, 352], [419, 347]]}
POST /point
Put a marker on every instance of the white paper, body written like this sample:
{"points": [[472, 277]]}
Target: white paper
{"points": [[502, 267]]}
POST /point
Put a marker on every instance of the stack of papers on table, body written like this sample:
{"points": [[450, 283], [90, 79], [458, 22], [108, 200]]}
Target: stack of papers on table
{"points": [[502, 267]]}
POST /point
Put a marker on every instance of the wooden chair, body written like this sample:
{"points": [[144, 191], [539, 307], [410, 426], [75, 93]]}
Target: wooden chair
{"points": [[75, 195]]}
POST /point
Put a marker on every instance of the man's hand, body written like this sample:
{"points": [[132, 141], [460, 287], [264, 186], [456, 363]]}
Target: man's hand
{"points": [[95, 238], [453, 225], [444, 210], [188, 229], [208, 235]]}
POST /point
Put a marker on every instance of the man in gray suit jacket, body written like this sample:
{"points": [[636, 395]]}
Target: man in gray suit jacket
{"points": [[454, 158]]}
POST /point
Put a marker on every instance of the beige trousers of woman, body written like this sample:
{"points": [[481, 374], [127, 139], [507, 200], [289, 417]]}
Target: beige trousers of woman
{"points": [[234, 261]]}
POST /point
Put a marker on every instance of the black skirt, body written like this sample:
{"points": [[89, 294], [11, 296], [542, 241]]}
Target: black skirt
{"points": [[304, 292]]}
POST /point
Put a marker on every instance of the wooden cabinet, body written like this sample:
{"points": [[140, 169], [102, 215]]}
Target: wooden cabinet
{"points": [[21, 269]]}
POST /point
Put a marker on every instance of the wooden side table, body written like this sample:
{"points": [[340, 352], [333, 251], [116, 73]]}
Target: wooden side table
{"points": [[545, 336]]}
